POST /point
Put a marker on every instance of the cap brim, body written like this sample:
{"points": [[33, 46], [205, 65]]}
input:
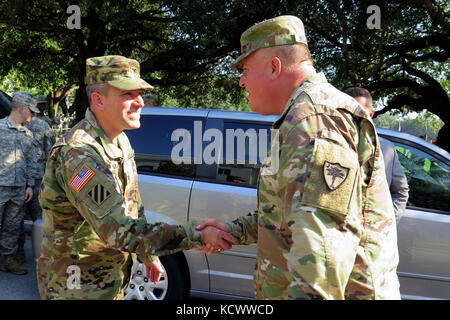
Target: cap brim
{"points": [[130, 84], [35, 110], [237, 64]]}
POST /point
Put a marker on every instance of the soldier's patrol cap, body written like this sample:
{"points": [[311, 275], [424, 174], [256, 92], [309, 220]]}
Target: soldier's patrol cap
{"points": [[118, 71], [25, 99], [41, 99], [282, 30]]}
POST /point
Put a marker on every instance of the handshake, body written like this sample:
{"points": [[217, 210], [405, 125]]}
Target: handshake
{"points": [[216, 237]]}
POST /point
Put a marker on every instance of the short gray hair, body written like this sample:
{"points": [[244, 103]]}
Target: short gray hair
{"points": [[15, 105], [97, 87], [291, 55]]}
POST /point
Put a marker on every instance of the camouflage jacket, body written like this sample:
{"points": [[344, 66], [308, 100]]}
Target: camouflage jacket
{"points": [[17, 164], [325, 225], [45, 118], [93, 219], [44, 139]]}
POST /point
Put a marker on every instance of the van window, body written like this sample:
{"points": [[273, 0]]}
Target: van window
{"points": [[428, 178], [245, 146], [165, 144]]}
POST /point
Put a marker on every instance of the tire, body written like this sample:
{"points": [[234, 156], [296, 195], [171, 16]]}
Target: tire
{"points": [[178, 276], [173, 285]]}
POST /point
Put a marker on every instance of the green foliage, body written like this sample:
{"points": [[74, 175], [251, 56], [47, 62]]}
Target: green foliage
{"points": [[211, 92], [417, 124], [185, 47]]}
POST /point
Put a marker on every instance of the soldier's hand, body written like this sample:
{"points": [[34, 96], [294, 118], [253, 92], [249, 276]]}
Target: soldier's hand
{"points": [[28, 194], [154, 271], [216, 240], [212, 222], [209, 249]]}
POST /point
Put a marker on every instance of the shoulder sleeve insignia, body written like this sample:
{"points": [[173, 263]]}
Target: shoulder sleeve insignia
{"points": [[98, 194], [334, 174], [82, 177]]}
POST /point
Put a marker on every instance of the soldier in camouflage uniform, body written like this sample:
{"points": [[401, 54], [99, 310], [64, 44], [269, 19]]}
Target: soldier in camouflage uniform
{"points": [[42, 105], [44, 140], [325, 225], [16, 175], [93, 220]]}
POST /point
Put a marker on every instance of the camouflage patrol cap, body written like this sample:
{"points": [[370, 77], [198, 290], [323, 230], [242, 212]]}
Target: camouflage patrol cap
{"points": [[41, 99], [118, 71], [25, 99], [282, 30]]}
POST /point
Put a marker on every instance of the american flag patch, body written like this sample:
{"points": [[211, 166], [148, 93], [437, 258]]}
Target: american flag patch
{"points": [[81, 178]]}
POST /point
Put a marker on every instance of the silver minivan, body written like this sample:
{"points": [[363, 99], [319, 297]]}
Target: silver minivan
{"points": [[173, 191]]}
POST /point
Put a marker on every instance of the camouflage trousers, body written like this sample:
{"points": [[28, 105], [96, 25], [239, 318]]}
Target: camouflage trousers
{"points": [[33, 209], [11, 215]]}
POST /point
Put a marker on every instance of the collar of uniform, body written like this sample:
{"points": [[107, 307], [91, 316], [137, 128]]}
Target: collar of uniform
{"points": [[113, 151], [318, 77], [90, 117], [12, 125], [112, 148]]}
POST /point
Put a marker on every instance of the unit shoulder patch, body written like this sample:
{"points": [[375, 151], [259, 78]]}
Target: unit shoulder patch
{"points": [[334, 174], [98, 194]]}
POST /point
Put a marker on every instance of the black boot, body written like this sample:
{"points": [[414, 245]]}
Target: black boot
{"points": [[20, 255], [11, 265]]}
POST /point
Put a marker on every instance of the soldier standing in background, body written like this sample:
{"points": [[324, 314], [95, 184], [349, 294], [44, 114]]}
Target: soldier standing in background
{"points": [[51, 134], [16, 175], [44, 140], [396, 178], [150, 100], [42, 105], [325, 225], [93, 220]]}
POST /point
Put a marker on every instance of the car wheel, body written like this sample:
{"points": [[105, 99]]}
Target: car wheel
{"points": [[171, 286]]}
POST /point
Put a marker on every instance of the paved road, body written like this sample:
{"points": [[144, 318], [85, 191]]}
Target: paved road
{"points": [[13, 287]]}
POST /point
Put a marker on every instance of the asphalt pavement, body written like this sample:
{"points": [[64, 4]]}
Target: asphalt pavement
{"points": [[14, 287]]}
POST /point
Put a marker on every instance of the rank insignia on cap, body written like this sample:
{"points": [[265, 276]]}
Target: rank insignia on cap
{"points": [[82, 177], [334, 174], [99, 194]]}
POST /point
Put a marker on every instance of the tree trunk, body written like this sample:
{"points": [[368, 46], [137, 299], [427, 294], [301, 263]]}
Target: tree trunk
{"points": [[55, 105], [64, 108], [80, 103], [441, 108]]}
